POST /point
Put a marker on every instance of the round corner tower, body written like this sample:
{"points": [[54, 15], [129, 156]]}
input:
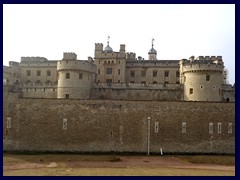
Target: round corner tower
{"points": [[202, 78], [75, 77]]}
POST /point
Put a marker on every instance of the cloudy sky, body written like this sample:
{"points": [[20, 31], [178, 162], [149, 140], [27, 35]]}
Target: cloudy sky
{"points": [[179, 30]]}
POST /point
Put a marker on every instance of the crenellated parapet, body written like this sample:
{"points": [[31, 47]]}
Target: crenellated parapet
{"points": [[86, 66], [130, 56], [103, 54], [33, 59], [69, 56]]}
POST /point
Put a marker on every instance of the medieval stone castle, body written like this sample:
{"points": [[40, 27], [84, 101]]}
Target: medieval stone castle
{"points": [[121, 75], [72, 105]]}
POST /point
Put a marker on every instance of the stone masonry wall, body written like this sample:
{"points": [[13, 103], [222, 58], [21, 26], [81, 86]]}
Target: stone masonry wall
{"points": [[66, 125]]}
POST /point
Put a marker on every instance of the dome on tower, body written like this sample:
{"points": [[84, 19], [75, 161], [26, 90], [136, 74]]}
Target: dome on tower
{"points": [[152, 51], [108, 49]]}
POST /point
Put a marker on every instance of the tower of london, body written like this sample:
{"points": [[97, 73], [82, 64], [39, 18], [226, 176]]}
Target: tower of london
{"points": [[120, 75], [118, 102]]}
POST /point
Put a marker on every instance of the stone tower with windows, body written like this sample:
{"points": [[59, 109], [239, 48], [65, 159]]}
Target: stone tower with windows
{"points": [[110, 64], [75, 78], [202, 78]]}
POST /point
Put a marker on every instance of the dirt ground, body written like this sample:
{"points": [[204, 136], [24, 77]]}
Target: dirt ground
{"points": [[129, 162]]}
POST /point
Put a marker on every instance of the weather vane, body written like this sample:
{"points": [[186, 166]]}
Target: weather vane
{"points": [[152, 42], [108, 40]]}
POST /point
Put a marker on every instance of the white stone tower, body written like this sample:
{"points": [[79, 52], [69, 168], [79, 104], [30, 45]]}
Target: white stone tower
{"points": [[202, 78], [75, 78], [152, 54]]}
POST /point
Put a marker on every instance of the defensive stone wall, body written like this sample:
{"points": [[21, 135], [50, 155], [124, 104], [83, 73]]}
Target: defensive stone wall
{"points": [[129, 91], [118, 126]]}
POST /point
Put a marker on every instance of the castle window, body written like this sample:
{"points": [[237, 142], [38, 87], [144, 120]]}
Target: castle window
{"points": [[132, 81], [67, 96], [156, 129], [109, 82], [118, 62], [230, 128], [191, 91], [184, 127], [201, 87], [9, 122], [143, 73], [109, 71], [132, 73], [98, 71], [154, 82], [80, 75], [177, 82], [143, 82], [185, 78], [64, 123], [207, 77], [38, 82], [166, 73], [177, 74], [219, 128], [210, 128], [53, 89], [38, 73], [118, 81], [154, 73], [118, 71], [28, 72], [48, 73], [67, 75], [214, 87]]}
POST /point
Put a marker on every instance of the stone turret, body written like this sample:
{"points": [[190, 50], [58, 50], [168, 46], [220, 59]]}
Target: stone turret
{"points": [[75, 78], [152, 54], [202, 78]]}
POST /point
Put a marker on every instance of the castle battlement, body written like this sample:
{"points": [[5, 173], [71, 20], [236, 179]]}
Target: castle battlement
{"points": [[209, 58], [86, 65], [193, 67], [33, 59], [98, 47], [130, 56], [69, 56]]}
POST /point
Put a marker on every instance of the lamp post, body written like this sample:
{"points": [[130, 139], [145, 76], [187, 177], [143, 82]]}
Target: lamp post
{"points": [[148, 135]]}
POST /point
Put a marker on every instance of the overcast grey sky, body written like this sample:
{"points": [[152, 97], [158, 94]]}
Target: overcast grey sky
{"points": [[179, 30]]}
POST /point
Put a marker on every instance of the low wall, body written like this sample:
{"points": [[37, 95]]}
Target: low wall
{"points": [[66, 125]]}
